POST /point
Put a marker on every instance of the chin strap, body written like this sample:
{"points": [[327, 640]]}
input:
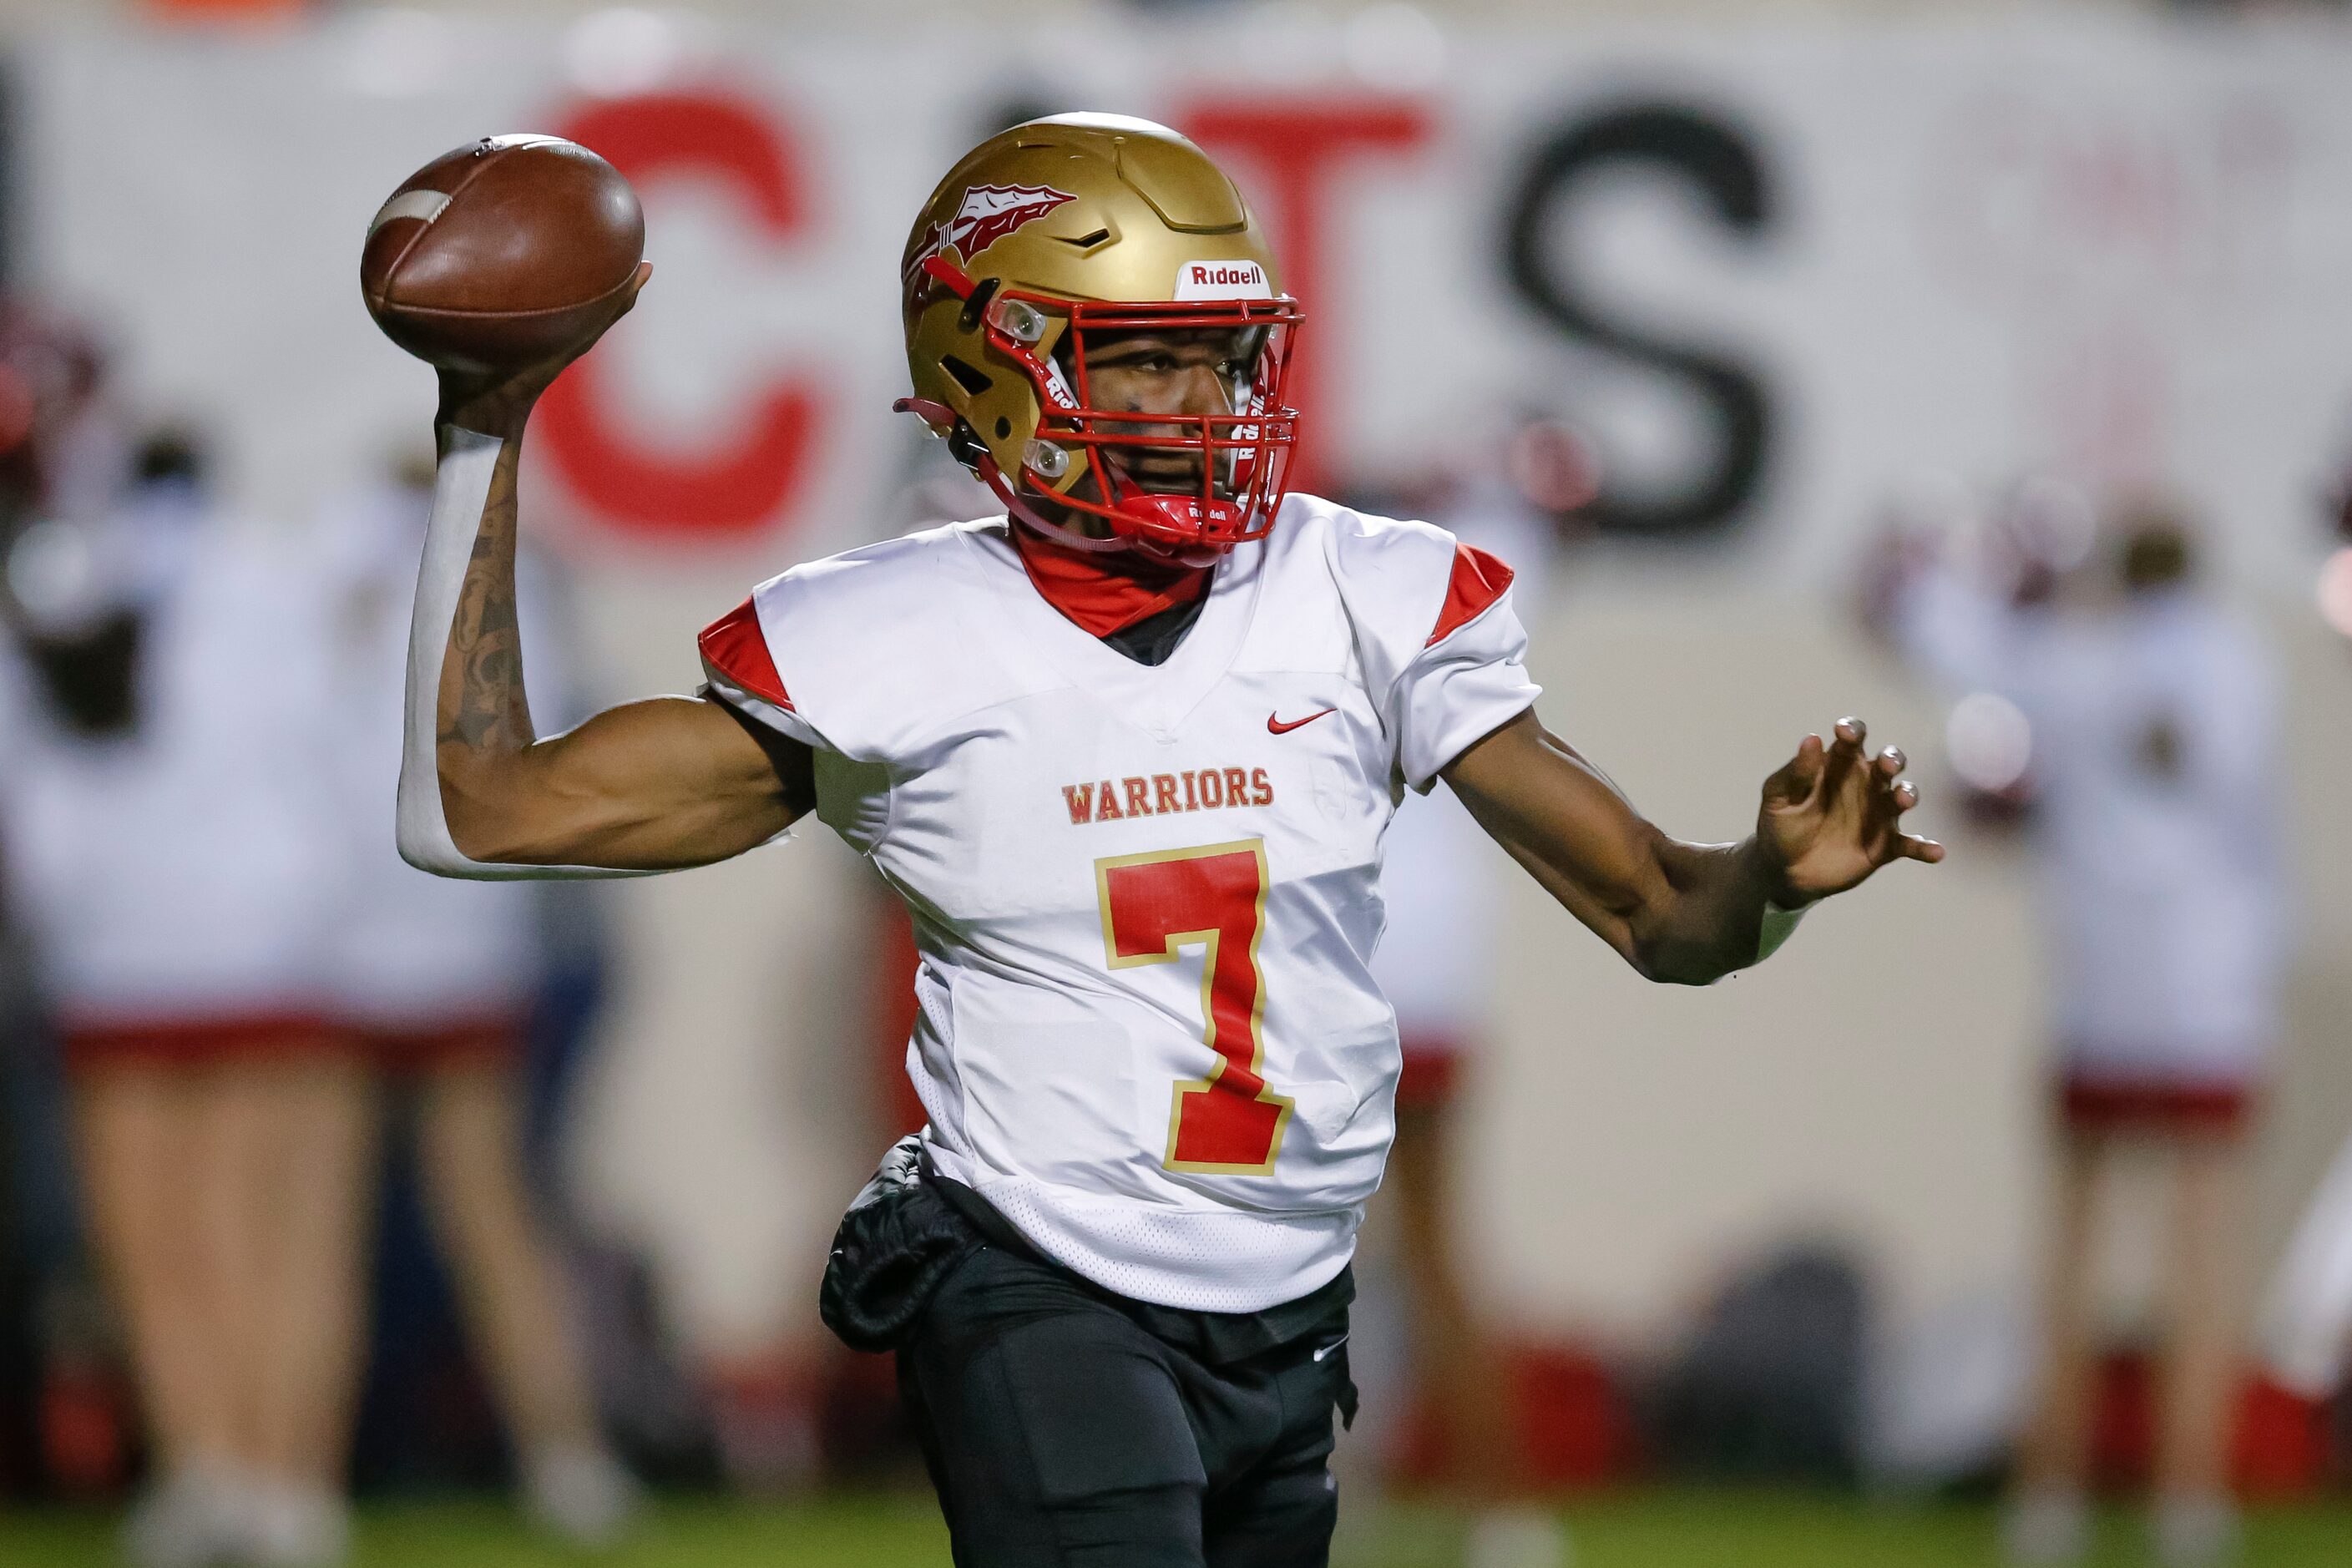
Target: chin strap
{"points": [[461, 488]]}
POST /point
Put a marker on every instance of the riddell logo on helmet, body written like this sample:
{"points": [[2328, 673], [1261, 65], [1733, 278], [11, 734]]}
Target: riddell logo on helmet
{"points": [[1221, 280], [986, 214]]}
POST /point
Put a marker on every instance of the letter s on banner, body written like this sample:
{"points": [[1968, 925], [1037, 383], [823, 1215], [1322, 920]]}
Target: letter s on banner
{"points": [[1722, 164], [713, 494]]}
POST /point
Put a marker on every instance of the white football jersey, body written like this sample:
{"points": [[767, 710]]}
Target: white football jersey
{"points": [[1146, 897]]}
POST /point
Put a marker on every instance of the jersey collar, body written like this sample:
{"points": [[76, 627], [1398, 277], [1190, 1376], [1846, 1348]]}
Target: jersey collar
{"points": [[1102, 594], [1056, 652]]}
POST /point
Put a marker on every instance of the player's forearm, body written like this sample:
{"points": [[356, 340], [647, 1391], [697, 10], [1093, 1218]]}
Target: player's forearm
{"points": [[479, 796], [458, 761], [502, 796], [1706, 915], [484, 711], [1680, 913]]}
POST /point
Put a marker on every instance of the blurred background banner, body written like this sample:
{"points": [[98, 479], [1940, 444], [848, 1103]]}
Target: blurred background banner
{"points": [[1770, 271], [1780, 274], [1766, 265]]}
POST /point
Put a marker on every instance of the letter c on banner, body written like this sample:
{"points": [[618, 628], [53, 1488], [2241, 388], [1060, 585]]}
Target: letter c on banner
{"points": [[713, 494]]}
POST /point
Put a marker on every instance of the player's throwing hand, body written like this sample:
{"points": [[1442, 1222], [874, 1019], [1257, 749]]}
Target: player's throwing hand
{"points": [[498, 401], [1833, 815]]}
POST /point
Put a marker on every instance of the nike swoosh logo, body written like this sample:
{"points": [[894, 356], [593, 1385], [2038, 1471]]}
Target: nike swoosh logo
{"points": [[1342, 1340], [1275, 726]]}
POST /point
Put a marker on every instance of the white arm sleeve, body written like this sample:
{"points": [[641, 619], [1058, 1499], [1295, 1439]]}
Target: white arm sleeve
{"points": [[461, 489]]}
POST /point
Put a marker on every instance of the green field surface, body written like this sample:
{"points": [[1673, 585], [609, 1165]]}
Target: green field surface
{"points": [[1634, 1530]]}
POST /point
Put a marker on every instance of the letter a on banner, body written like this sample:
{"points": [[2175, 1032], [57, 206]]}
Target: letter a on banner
{"points": [[751, 483]]}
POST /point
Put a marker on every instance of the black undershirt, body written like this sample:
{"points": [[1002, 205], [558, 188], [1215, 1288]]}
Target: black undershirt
{"points": [[796, 764], [1151, 639]]}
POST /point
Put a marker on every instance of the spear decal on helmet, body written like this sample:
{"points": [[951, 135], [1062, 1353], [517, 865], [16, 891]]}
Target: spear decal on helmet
{"points": [[986, 214]]}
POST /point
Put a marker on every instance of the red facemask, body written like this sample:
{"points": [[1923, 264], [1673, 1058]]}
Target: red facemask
{"points": [[1244, 456]]}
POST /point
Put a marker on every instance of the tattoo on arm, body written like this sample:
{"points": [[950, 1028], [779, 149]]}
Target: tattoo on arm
{"points": [[489, 712]]}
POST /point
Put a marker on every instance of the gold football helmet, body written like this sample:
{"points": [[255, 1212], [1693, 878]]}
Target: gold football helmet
{"points": [[1065, 229]]}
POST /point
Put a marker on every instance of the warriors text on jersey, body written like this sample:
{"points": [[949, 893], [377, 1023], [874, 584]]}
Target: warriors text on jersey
{"points": [[1145, 895]]}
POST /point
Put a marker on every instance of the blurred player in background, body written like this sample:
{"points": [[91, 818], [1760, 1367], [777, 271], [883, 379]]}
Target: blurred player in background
{"points": [[435, 980], [1441, 880], [171, 848], [2153, 716]]}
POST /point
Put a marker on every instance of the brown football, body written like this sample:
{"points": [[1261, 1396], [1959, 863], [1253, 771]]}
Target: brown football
{"points": [[502, 253]]}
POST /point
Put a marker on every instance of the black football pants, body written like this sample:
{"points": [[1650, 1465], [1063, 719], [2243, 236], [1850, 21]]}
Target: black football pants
{"points": [[1061, 1434]]}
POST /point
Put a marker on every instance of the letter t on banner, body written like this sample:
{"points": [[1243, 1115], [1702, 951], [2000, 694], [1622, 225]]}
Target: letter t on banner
{"points": [[1297, 151]]}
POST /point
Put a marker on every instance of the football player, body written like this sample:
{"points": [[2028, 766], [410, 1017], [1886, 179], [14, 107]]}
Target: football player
{"points": [[1127, 753]]}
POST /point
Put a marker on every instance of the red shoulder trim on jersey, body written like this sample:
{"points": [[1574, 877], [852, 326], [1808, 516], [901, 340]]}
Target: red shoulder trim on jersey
{"points": [[1477, 582], [734, 646]]}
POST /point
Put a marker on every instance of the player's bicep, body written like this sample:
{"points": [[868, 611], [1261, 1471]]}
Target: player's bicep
{"points": [[663, 784], [1561, 818]]}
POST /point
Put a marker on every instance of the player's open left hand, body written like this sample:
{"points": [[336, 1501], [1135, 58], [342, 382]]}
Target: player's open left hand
{"points": [[498, 401], [1833, 815]]}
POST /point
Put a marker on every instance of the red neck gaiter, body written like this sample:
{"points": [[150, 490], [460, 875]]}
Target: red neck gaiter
{"points": [[1108, 593]]}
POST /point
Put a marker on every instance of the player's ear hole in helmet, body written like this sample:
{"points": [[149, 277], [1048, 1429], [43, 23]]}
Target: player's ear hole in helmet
{"points": [[1092, 321]]}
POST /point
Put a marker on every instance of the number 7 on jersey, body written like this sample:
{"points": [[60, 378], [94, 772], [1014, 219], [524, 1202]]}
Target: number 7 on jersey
{"points": [[1153, 906]]}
